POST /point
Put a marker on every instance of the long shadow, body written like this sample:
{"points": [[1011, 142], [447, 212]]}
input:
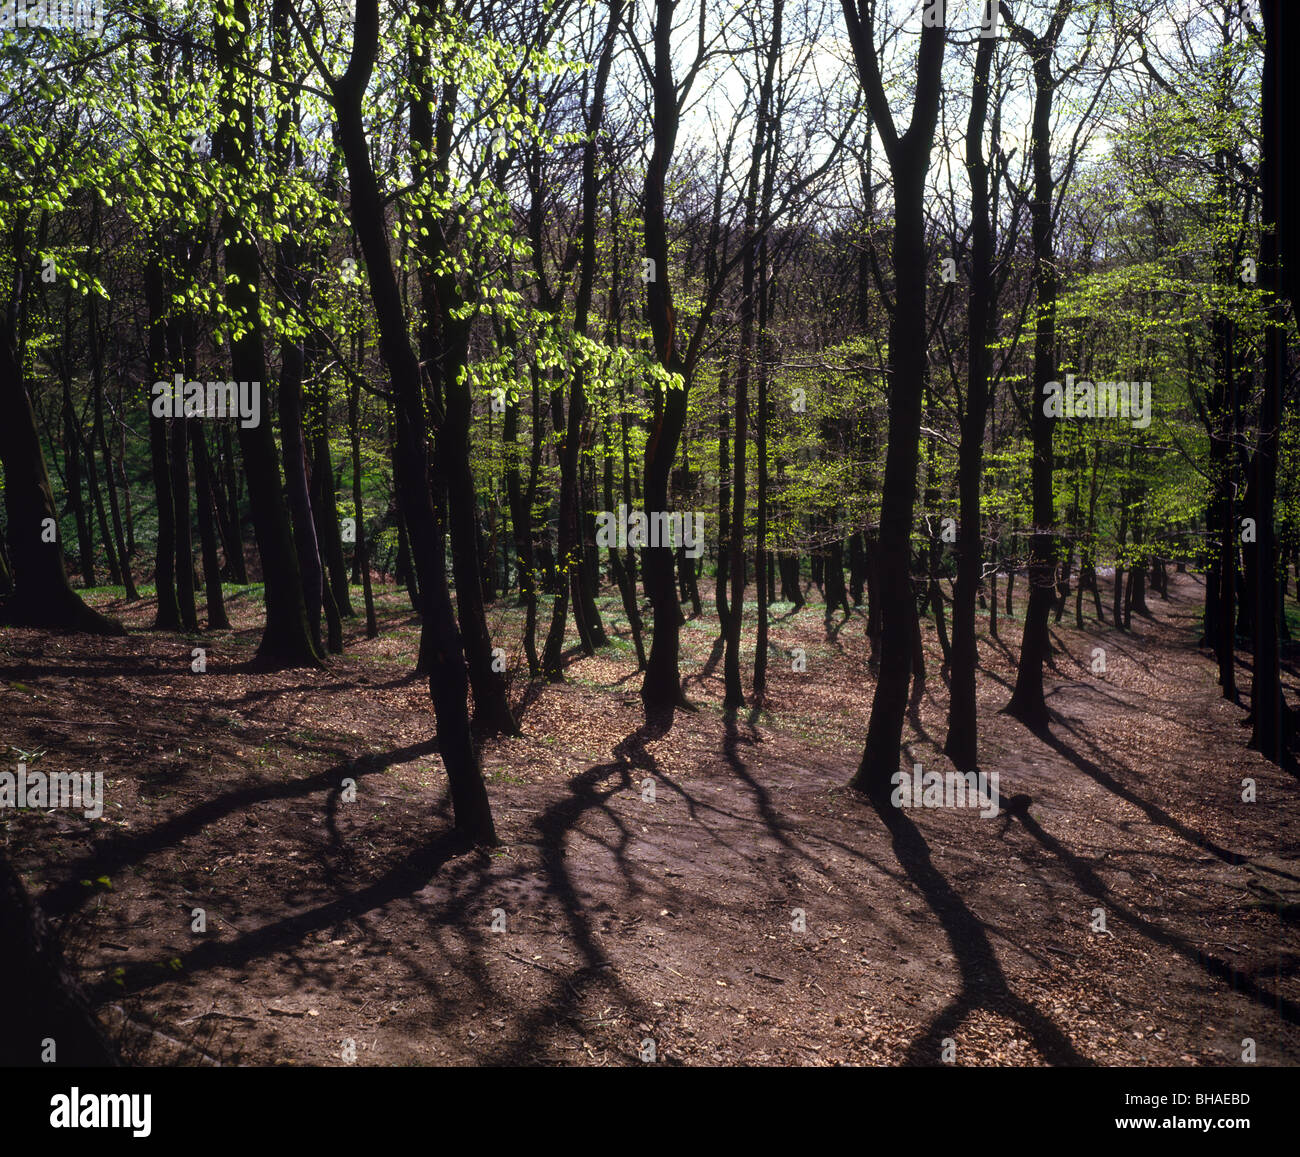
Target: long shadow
{"points": [[587, 792], [983, 984], [1156, 814], [571, 655], [833, 629], [412, 874], [914, 700], [1089, 882], [533, 691], [139, 669], [1114, 640], [762, 800], [1001, 646], [267, 694], [109, 856], [709, 665], [996, 678], [1080, 687]]}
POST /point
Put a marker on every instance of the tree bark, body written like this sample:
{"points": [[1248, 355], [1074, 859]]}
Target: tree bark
{"points": [[46, 1001], [286, 635], [448, 682], [909, 157], [1268, 716], [1028, 703], [662, 688], [962, 742]]}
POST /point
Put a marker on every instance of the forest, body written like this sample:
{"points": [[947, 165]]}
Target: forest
{"points": [[649, 532]]}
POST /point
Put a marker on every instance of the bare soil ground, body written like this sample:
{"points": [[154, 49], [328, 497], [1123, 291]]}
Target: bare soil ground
{"points": [[629, 919]]}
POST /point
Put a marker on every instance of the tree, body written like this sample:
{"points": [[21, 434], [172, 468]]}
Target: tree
{"points": [[448, 679], [1027, 702], [961, 745], [1269, 731], [52, 1006], [286, 635], [661, 688], [909, 158]]}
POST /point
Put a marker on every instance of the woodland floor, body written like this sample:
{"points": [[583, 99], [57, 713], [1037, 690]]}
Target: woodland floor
{"points": [[671, 920]]}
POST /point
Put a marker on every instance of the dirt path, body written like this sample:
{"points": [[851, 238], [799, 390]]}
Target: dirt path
{"points": [[668, 915]]}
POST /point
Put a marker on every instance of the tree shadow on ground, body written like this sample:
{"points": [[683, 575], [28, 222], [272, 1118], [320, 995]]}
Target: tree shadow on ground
{"points": [[1091, 884], [109, 856], [983, 983]]}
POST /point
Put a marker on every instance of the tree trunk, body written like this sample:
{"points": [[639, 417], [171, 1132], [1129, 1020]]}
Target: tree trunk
{"points": [[448, 683], [962, 742], [229, 501], [1268, 717], [286, 635], [662, 687], [217, 619], [41, 595], [47, 1003], [180, 481], [72, 467], [123, 558], [168, 615], [909, 158], [362, 552], [1027, 700], [762, 558]]}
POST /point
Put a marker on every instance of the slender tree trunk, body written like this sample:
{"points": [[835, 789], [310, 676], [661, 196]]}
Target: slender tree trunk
{"points": [[293, 451], [1268, 717], [1027, 700], [286, 635], [101, 437], [909, 159], [230, 499], [444, 349], [662, 686], [857, 568], [168, 616], [293, 277], [48, 1004], [324, 505], [873, 601], [448, 682], [72, 467], [362, 551], [41, 595], [180, 482], [625, 582], [993, 597], [119, 567], [962, 743], [217, 619], [723, 576], [762, 558], [101, 515], [1117, 594], [791, 589], [521, 524]]}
